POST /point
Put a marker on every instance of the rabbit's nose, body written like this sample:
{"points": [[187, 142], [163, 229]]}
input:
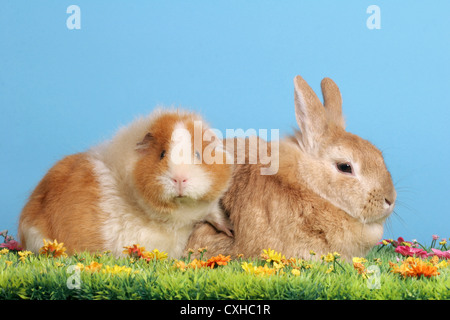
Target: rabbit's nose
{"points": [[389, 202]]}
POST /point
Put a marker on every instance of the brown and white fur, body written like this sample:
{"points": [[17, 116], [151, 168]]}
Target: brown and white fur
{"points": [[313, 202], [129, 191]]}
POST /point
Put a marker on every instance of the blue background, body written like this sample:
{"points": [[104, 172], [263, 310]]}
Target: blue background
{"points": [[62, 91]]}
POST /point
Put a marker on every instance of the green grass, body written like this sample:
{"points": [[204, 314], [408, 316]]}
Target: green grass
{"points": [[39, 277]]}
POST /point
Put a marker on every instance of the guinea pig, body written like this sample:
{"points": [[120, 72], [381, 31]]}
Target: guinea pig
{"points": [[148, 185]]}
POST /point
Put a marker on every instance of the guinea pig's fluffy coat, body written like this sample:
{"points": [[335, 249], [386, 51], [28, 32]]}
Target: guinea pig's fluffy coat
{"points": [[129, 191]]}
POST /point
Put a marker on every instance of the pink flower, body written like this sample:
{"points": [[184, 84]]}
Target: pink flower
{"points": [[440, 254], [409, 251], [11, 245], [435, 237]]}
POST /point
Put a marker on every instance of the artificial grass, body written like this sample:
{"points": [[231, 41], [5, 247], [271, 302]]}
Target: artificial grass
{"points": [[39, 277]]}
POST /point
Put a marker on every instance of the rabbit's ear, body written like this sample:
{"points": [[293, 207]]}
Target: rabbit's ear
{"points": [[332, 101], [310, 115]]}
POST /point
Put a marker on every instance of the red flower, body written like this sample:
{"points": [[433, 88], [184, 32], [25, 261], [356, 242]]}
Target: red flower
{"points": [[409, 252], [395, 243], [12, 245]]}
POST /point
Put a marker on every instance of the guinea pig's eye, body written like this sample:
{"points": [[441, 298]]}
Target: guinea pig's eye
{"points": [[344, 167], [197, 154], [163, 154]]}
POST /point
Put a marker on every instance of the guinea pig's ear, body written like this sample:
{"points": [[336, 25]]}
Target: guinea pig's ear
{"points": [[310, 116], [145, 143], [332, 101]]}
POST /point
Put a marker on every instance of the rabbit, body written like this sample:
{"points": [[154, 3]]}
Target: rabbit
{"points": [[132, 189], [332, 191]]}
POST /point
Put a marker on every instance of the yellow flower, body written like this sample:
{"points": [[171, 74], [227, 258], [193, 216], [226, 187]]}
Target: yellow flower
{"points": [[278, 266], [330, 269], [8, 263], [329, 257], [4, 251], [359, 260], [307, 266], [440, 265], [53, 249], [443, 264], [265, 270], [271, 255], [24, 254], [117, 269], [259, 271], [80, 266], [248, 267], [384, 242], [406, 244], [312, 253], [295, 272], [154, 255], [443, 242]]}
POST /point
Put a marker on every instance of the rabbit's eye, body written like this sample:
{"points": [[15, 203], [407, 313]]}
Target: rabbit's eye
{"points": [[163, 154], [345, 167], [197, 154]]}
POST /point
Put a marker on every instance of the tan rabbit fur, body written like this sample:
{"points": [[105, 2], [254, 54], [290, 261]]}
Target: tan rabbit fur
{"points": [[129, 190], [312, 202]]}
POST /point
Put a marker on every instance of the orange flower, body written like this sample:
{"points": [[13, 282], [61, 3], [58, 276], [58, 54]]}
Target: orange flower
{"points": [[435, 260], [196, 263], [290, 262], [423, 269], [180, 265], [415, 267], [135, 251], [359, 267], [403, 269], [219, 260], [53, 249], [94, 266]]}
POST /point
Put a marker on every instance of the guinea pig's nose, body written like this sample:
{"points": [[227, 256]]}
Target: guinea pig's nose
{"points": [[180, 183], [181, 180]]}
